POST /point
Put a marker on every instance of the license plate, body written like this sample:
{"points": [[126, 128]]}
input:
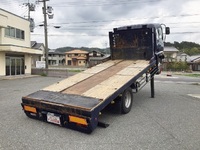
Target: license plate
{"points": [[53, 118]]}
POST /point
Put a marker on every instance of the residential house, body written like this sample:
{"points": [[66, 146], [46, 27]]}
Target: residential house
{"points": [[171, 54], [15, 49], [96, 53], [76, 58], [38, 46], [182, 57], [194, 62], [56, 58], [96, 57]]}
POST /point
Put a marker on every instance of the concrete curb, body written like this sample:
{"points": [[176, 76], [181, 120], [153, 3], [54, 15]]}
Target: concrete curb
{"points": [[17, 77]]}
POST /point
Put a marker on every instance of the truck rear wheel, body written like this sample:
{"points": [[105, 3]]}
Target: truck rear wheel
{"points": [[127, 100]]}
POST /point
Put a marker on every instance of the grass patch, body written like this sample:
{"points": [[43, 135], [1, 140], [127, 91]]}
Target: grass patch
{"points": [[192, 75], [43, 74], [72, 70]]}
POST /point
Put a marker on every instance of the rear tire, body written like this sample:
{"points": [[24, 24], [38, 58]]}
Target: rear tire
{"points": [[127, 100]]}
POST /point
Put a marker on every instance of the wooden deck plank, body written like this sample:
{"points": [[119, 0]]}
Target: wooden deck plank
{"points": [[59, 86], [102, 81], [66, 83], [109, 63], [101, 67], [96, 79], [108, 87], [112, 84], [134, 69], [105, 92], [139, 64]]}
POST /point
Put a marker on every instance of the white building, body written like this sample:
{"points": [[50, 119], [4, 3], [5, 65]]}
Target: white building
{"points": [[38, 46], [56, 58], [15, 49], [170, 53]]}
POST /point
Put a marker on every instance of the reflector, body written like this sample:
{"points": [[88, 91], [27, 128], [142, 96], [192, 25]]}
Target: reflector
{"points": [[30, 109], [78, 120]]}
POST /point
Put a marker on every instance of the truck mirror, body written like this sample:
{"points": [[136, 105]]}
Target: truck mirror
{"points": [[167, 30]]}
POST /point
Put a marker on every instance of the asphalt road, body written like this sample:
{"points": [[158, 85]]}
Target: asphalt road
{"points": [[170, 121], [178, 79]]}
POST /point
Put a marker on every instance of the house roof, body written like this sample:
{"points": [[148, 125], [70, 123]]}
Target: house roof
{"points": [[99, 58], [36, 45], [96, 52], [76, 51], [194, 58], [53, 51], [182, 54], [170, 49]]}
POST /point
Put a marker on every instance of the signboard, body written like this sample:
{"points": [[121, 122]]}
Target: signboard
{"points": [[40, 64]]}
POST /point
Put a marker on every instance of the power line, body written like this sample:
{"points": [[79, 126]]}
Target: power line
{"points": [[131, 19], [24, 12], [105, 3], [98, 35], [185, 32]]}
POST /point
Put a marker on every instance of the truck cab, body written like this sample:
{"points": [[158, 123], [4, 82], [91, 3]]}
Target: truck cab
{"points": [[142, 41]]}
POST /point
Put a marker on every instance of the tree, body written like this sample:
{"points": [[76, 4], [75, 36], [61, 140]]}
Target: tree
{"points": [[189, 48]]}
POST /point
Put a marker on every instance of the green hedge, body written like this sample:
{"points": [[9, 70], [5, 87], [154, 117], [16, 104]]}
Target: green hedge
{"points": [[177, 66]]}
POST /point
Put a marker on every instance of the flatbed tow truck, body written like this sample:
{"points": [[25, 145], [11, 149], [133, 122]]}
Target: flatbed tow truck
{"points": [[76, 102]]}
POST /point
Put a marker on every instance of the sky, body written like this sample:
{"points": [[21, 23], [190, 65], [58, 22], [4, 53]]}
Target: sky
{"points": [[86, 23]]}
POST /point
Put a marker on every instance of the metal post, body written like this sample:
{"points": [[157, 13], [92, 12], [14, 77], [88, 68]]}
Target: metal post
{"points": [[152, 87], [45, 33]]}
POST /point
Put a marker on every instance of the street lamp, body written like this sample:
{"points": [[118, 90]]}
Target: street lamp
{"points": [[42, 25], [45, 53]]}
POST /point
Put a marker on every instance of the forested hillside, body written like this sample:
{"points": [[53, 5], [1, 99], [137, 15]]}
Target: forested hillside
{"points": [[66, 49], [189, 48]]}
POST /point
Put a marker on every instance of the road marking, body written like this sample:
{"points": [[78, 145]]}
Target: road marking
{"points": [[194, 95]]}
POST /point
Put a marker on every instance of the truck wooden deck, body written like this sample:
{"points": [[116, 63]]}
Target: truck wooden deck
{"points": [[76, 102]]}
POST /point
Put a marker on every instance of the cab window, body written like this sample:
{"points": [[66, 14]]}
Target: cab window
{"points": [[159, 33]]}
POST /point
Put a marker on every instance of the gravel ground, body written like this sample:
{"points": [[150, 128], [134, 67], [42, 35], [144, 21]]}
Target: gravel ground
{"points": [[170, 121]]}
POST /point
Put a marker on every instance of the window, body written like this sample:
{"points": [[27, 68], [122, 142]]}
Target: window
{"points": [[22, 35], [69, 62], [159, 33], [7, 31], [14, 32], [18, 33]]}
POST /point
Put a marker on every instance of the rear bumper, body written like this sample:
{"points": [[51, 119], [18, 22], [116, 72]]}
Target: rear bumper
{"points": [[69, 120]]}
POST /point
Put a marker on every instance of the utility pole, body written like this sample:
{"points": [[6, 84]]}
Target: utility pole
{"points": [[45, 34], [31, 7], [47, 10]]}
